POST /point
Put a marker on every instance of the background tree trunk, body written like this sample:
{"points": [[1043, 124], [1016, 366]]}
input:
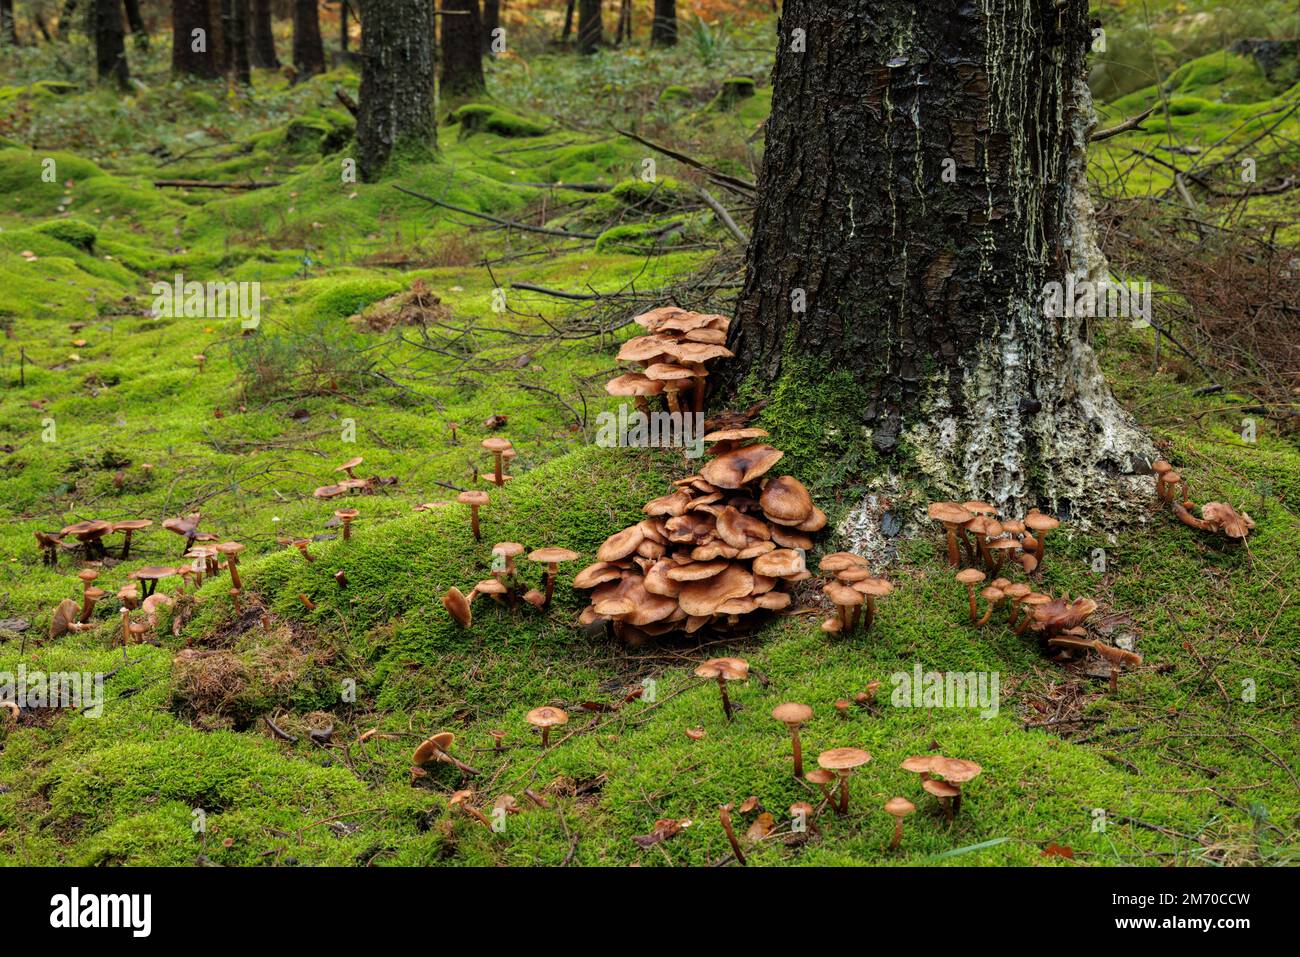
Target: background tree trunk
{"points": [[308, 51], [568, 19], [397, 82], [262, 49], [139, 32], [188, 16], [917, 302], [8, 27], [345, 40], [462, 49], [491, 20], [240, 60], [65, 18], [110, 42], [590, 29], [663, 31]]}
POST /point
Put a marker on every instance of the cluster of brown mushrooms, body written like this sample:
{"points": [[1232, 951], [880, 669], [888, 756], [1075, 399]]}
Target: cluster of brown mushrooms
{"points": [[720, 549], [973, 529], [672, 357], [851, 586], [89, 537], [1216, 517], [352, 484], [506, 585]]}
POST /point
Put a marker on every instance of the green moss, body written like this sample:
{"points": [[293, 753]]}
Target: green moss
{"points": [[484, 118], [71, 231], [733, 91], [660, 195]]}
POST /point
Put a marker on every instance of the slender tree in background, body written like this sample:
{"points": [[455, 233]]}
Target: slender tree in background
{"points": [[924, 178], [193, 50], [462, 48], [397, 83], [345, 39], [240, 59], [65, 18], [262, 46], [663, 31], [491, 21], [568, 20], [135, 21], [624, 30], [308, 51], [110, 42], [8, 27], [590, 30]]}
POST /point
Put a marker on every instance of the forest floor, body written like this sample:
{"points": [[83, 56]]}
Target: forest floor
{"points": [[1193, 761]]}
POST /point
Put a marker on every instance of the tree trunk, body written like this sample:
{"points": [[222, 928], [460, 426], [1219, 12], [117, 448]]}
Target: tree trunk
{"points": [[663, 32], [65, 18], [345, 40], [110, 42], [262, 47], [590, 29], [240, 60], [397, 83], [134, 20], [491, 21], [192, 53], [924, 178], [462, 49], [8, 28], [568, 20], [308, 51]]}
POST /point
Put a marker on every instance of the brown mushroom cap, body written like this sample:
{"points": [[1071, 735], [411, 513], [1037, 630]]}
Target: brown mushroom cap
{"points": [[899, 807], [231, 548], [839, 561], [345, 514], [786, 501], [843, 594], [731, 669], [779, 563], [875, 587], [842, 759], [1230, 522], [350, 464], [132, 525], [940, 789], [792, 712], [819, 776], [473, 497], [330, 491], [955, 770], [593, 575], [495, 443], [736, 435], [634, 383], [920, 763], [457, 606], [950, 513], [546, 717], [153, 573], [970, 576], [553, 555], [704, 597], [739, 467], [1039, 522]]}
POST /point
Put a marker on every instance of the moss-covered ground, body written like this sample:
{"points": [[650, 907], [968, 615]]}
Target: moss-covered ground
{"points": [[1193, 761]]}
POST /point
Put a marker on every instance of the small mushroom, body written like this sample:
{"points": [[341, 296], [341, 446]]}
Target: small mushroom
{"points": [[150, 576], [88, 599], [793, 715], [301, 544], [126, 528], [724, 814], [438, 748], [546, 718], [461, 799], [1041, 525], [991, 595], [898, 808], [872, 588], [552, 558], [723, 670], [970, 577], [945, 792], [64, 618], [953, 516], [497, 445], [842, 761], [507, 552], [349, 465], [847, 599], [823, 779], [232, 550], [457, 606], [475, 500], [346, 516]]}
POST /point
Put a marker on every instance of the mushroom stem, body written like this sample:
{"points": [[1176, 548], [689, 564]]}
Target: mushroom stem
{"points": [[970, 596], [955, 804], [87, 606], [988, 613], [726, 701], [798, 750], [843, 806], [1023, 623], [234, 600], [552, 572], [724, 813], [234, 572], [126, 544], [497, 480], [1114, 681], [870, 616], [473, 522], [898, 834], [953, 555], [546, 738]]}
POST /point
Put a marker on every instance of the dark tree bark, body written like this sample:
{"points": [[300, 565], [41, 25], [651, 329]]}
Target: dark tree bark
{"points": [[462, 49], [134, 20], [308, 51], [8, 27], [262, 47], [491, 20], [590, 28], [191, 54], [240, 59], [924, 178], [65, 18], [110, 42], [663, 31], [344, 39], [568, 20], [397, 83]]}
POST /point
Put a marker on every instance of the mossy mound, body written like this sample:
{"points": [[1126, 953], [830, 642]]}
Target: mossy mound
{"points": [[484, 118], [71, 231], [733, 91]]}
